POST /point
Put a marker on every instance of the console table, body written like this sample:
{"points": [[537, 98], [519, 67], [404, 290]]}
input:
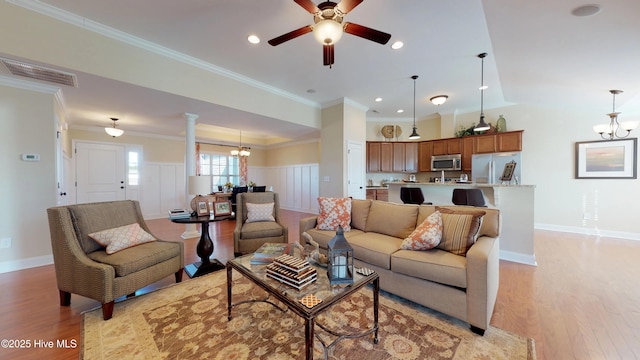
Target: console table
{"points": [[205, 246]]}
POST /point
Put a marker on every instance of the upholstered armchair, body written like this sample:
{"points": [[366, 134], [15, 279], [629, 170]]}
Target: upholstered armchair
{"points": [[258, 222], [85, 267]]}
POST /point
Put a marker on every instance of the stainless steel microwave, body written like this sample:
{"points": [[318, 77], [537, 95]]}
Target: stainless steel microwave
{"points": [[446, 162]]}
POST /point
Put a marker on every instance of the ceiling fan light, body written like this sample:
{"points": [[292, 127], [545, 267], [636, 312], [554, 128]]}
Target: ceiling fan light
{"points": [[327, 31]]}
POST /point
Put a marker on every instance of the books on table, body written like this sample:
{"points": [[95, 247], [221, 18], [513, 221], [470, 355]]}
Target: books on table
{"points": [[268, 252], [292, 271], [179, 214]]}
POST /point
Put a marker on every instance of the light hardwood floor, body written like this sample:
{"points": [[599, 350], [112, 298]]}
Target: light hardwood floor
{"points": [[582, 301]]}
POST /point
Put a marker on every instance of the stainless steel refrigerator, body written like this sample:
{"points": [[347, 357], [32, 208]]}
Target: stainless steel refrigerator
{"points": [[488, 168]]}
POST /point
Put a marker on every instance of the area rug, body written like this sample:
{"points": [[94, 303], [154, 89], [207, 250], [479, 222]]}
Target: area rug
{"points": [[189, 321]]}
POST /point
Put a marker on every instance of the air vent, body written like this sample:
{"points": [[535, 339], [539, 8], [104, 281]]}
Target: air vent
{"points": [[39, 72]]}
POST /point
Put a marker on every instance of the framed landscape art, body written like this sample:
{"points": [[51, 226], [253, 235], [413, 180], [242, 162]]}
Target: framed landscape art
{"points": [[221, 208], [611, 159]]}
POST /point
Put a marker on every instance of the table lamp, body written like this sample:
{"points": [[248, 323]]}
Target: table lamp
{"points": [[199, 186]]}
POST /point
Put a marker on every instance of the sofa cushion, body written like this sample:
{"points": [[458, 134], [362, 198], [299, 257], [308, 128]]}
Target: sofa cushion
{"points": [[374, 248], [260, 229], [93, 217], [490, 222], [322, 237], [427, 235], [434, 265], [137, 258], [359, 213], [122, 237], [460, 229], [260, 212], [334, 212], [397, 220]]}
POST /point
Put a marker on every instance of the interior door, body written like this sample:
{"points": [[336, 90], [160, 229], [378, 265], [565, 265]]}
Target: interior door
{"points": [[356, 170], [100, 172]]}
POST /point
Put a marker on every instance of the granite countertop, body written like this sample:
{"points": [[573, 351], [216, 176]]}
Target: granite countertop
{"points": [[453, 183]]}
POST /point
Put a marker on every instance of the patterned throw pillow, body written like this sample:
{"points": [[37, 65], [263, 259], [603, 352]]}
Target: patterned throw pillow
{"points": [[260, 212], [427, 235], [334, 212], [459, 229], [122, 237]]}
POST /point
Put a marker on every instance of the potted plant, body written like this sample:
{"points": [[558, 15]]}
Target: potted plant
{"points": [[251, 184], [228, 186]]}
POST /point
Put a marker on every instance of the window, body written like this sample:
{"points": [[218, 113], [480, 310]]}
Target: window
{"points": [[222, 168], [133, 168]]}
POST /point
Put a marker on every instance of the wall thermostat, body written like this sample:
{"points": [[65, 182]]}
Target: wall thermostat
{"points": [[31, 157]]}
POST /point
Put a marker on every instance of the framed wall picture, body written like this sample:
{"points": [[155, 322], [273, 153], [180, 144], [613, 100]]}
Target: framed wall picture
{"points": [[509, 169], [610, 159], [203, 208], [221, 208]]}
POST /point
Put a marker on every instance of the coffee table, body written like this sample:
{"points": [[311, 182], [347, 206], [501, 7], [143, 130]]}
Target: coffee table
{"points": [[290, 297]]}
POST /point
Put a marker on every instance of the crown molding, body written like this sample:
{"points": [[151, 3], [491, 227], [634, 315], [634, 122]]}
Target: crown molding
{"points": [[87, 24]]}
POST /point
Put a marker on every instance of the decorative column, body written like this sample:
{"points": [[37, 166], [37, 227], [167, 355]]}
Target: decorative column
{"points": [[190, 230]]}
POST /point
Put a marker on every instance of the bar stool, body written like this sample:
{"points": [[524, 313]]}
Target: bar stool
{"points": [[471, 197], [411, 195]]}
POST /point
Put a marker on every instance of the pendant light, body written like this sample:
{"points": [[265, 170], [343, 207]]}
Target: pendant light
{"points": [[611, 129], [482, 126], [114, 131], [414, 134]]}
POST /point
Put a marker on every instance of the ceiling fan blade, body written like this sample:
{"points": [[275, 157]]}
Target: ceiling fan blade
{"points": [[347, 5], [290, 35], [327, 55], [367, 33], [308, 5]]}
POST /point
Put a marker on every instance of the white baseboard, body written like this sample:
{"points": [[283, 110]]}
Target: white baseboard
{"points": [[589, 231], [519, 258], [15, 265]]}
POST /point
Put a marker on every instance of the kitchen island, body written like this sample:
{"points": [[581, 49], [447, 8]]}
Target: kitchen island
{"points": [[516, 204]]}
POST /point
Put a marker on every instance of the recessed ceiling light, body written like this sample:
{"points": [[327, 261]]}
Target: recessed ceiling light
{"points": [[397, 45], [483, 87], [311, 91], [400, 111], [253, 39], [378, 99], [586, 10]]}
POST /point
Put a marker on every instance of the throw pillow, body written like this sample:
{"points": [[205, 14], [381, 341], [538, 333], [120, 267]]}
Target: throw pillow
{"points": [[260, 212], [459, 229], [122, 237], [427, 235], [334, 212]]}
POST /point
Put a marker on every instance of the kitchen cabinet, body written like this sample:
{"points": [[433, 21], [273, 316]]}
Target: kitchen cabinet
{"points": [[468, 144], [379, 156], [405, 157], [509, 141], [373, 157], [485, 144], [425, 149], [378, 194], [447, 146]]}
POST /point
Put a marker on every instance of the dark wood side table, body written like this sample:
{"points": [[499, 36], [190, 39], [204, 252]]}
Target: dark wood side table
{"points": [[205, 246]]}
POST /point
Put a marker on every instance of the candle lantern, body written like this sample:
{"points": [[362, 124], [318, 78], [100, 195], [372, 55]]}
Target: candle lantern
{"points": [[340, 259]]}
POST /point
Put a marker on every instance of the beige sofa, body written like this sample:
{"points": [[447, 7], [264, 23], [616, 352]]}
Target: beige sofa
{"points": [[83, 266], [463, 287]]}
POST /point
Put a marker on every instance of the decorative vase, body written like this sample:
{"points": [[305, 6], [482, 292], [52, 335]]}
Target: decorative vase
{"points": [[501, 125]]}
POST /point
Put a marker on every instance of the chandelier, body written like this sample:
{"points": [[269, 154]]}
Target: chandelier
{"points": [[611, 129], [241, 150]]}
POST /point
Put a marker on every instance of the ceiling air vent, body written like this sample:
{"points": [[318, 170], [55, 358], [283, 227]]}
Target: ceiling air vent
{"points": [[39, 72]]}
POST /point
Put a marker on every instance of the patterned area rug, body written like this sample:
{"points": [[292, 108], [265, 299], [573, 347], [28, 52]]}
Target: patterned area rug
{"points": [[189, 321]]}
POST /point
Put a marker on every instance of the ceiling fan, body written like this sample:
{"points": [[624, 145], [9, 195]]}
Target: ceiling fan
{"points": [[328, 26]]}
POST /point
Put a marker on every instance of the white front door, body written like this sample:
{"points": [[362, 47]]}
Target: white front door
{"points": [[100, 172], [355, 170]]}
